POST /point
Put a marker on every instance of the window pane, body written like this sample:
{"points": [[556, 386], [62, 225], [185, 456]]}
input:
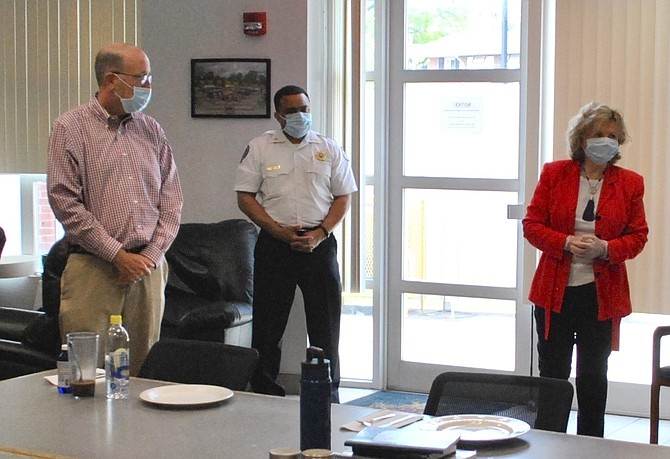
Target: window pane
{"points": [[25, 215], [10, 212], [369, 245], [356, 346], [463, 34], [368, 131], [474, 245], [632, 363], [356, 340], [462, 130], [439, 329], [47, 229], [369, 48]]}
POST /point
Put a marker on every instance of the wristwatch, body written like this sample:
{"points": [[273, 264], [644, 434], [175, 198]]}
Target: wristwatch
{"points": [[325, 231]]}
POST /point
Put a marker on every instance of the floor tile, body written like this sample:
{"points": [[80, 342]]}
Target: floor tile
{"points": [[663, 432], [637, 431], [572, 423], [614, 423]]}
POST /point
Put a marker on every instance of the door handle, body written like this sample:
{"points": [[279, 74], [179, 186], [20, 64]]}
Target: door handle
{"points": [[515, 211]]}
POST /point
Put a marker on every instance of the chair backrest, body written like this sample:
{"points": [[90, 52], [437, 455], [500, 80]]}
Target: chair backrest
{"points": [[3, 239], [544, 403], [43, 333], [200, 362], [659, 374], [54, 265], [214, 260]]}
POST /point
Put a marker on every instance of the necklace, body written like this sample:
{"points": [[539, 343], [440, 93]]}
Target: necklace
{"points": [[589, 212]]}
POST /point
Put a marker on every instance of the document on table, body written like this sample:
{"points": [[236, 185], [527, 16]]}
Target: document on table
{"points": [[383, 418], [99, 374]]}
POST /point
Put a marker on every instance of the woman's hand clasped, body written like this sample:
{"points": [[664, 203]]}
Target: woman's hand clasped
{"points": [[586, 247]]}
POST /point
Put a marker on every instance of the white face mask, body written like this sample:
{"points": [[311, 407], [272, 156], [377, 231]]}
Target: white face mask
{"points": [[601, 150], [139, 101]]}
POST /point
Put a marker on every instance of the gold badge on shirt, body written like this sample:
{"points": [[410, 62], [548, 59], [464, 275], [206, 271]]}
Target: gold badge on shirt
{"points": [[273, 168], [321, 156]]}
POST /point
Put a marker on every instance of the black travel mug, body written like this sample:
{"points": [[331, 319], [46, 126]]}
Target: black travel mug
{"points": [[315, 401]]}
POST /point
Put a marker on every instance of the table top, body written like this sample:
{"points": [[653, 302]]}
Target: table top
{"points": [[247, 426], [36, 417], [18, 265]]}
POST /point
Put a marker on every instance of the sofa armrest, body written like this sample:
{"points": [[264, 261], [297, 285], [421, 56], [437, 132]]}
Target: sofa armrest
{"points": [[14, 322], [218, 315], [18, 360], [11, 351]]}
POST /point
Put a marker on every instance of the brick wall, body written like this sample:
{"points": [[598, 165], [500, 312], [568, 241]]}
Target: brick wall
{"points": [[47, 227]]}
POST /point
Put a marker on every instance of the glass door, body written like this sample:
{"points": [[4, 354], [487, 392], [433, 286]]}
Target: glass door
{"points": [[452, 118], [454, 249]]}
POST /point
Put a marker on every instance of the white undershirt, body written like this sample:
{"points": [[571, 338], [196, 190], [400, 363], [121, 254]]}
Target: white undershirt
{"points": [[581, 271]]}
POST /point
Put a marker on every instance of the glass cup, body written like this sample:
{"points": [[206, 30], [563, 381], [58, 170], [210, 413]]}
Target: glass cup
{"points": [[83, 355]]}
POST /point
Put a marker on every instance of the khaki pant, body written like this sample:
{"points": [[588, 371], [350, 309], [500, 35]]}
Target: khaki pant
{"points": [[90, 293]]}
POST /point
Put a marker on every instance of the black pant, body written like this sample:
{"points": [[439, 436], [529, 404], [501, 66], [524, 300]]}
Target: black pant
{"points": [[578, 324], [277, 271]]}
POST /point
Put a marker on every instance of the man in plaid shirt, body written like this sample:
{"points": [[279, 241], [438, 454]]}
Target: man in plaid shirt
{"points": [[113, 184]]}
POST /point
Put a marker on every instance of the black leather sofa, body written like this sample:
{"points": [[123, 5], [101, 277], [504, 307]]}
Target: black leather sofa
{"points": [[30, 340], [208, 296]]}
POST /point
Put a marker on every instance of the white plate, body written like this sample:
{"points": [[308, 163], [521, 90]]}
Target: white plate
{"points": [[480, 428], [186, 395]]}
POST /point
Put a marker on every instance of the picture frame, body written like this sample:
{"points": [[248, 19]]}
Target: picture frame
{"points": [[230, 88]]}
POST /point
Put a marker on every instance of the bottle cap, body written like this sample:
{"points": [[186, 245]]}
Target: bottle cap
{"points": [[115, 319], [315, 367]]}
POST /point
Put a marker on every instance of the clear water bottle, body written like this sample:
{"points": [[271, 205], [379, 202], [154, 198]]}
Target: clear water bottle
{"points": [[64, 369], [315, 401], [117, 359]]}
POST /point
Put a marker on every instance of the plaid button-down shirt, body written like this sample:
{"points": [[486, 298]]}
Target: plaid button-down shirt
{"points": [[113, 184]]}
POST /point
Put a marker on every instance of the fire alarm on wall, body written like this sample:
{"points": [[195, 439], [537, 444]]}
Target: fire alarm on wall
{"points": [[255, 23]]}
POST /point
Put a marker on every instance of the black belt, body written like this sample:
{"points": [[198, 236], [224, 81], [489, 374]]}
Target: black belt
{"points": [[82, 251]]}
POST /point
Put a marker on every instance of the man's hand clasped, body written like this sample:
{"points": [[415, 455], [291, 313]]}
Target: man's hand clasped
{"points": [[302, 240], [132, 267]]}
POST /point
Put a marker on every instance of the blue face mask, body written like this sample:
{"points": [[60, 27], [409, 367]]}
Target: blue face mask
{"points": [[298, 124], [139, 101], [601, 150]]}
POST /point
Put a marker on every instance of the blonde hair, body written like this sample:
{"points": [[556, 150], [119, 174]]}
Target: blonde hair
{"points": [[589, 118]]}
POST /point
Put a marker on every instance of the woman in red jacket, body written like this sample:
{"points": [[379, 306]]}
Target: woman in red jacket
{"points": [[587, 217]]}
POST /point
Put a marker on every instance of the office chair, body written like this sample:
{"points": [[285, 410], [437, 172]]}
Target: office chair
{"points": [[544, 403], [660, 376], [200, 362]]}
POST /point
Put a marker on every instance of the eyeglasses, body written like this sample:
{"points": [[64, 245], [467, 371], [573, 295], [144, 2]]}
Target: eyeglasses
{"points": [[143, 77]]}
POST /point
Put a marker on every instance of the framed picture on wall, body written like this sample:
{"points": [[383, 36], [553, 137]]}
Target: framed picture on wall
{"points": [[230, 88]]}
